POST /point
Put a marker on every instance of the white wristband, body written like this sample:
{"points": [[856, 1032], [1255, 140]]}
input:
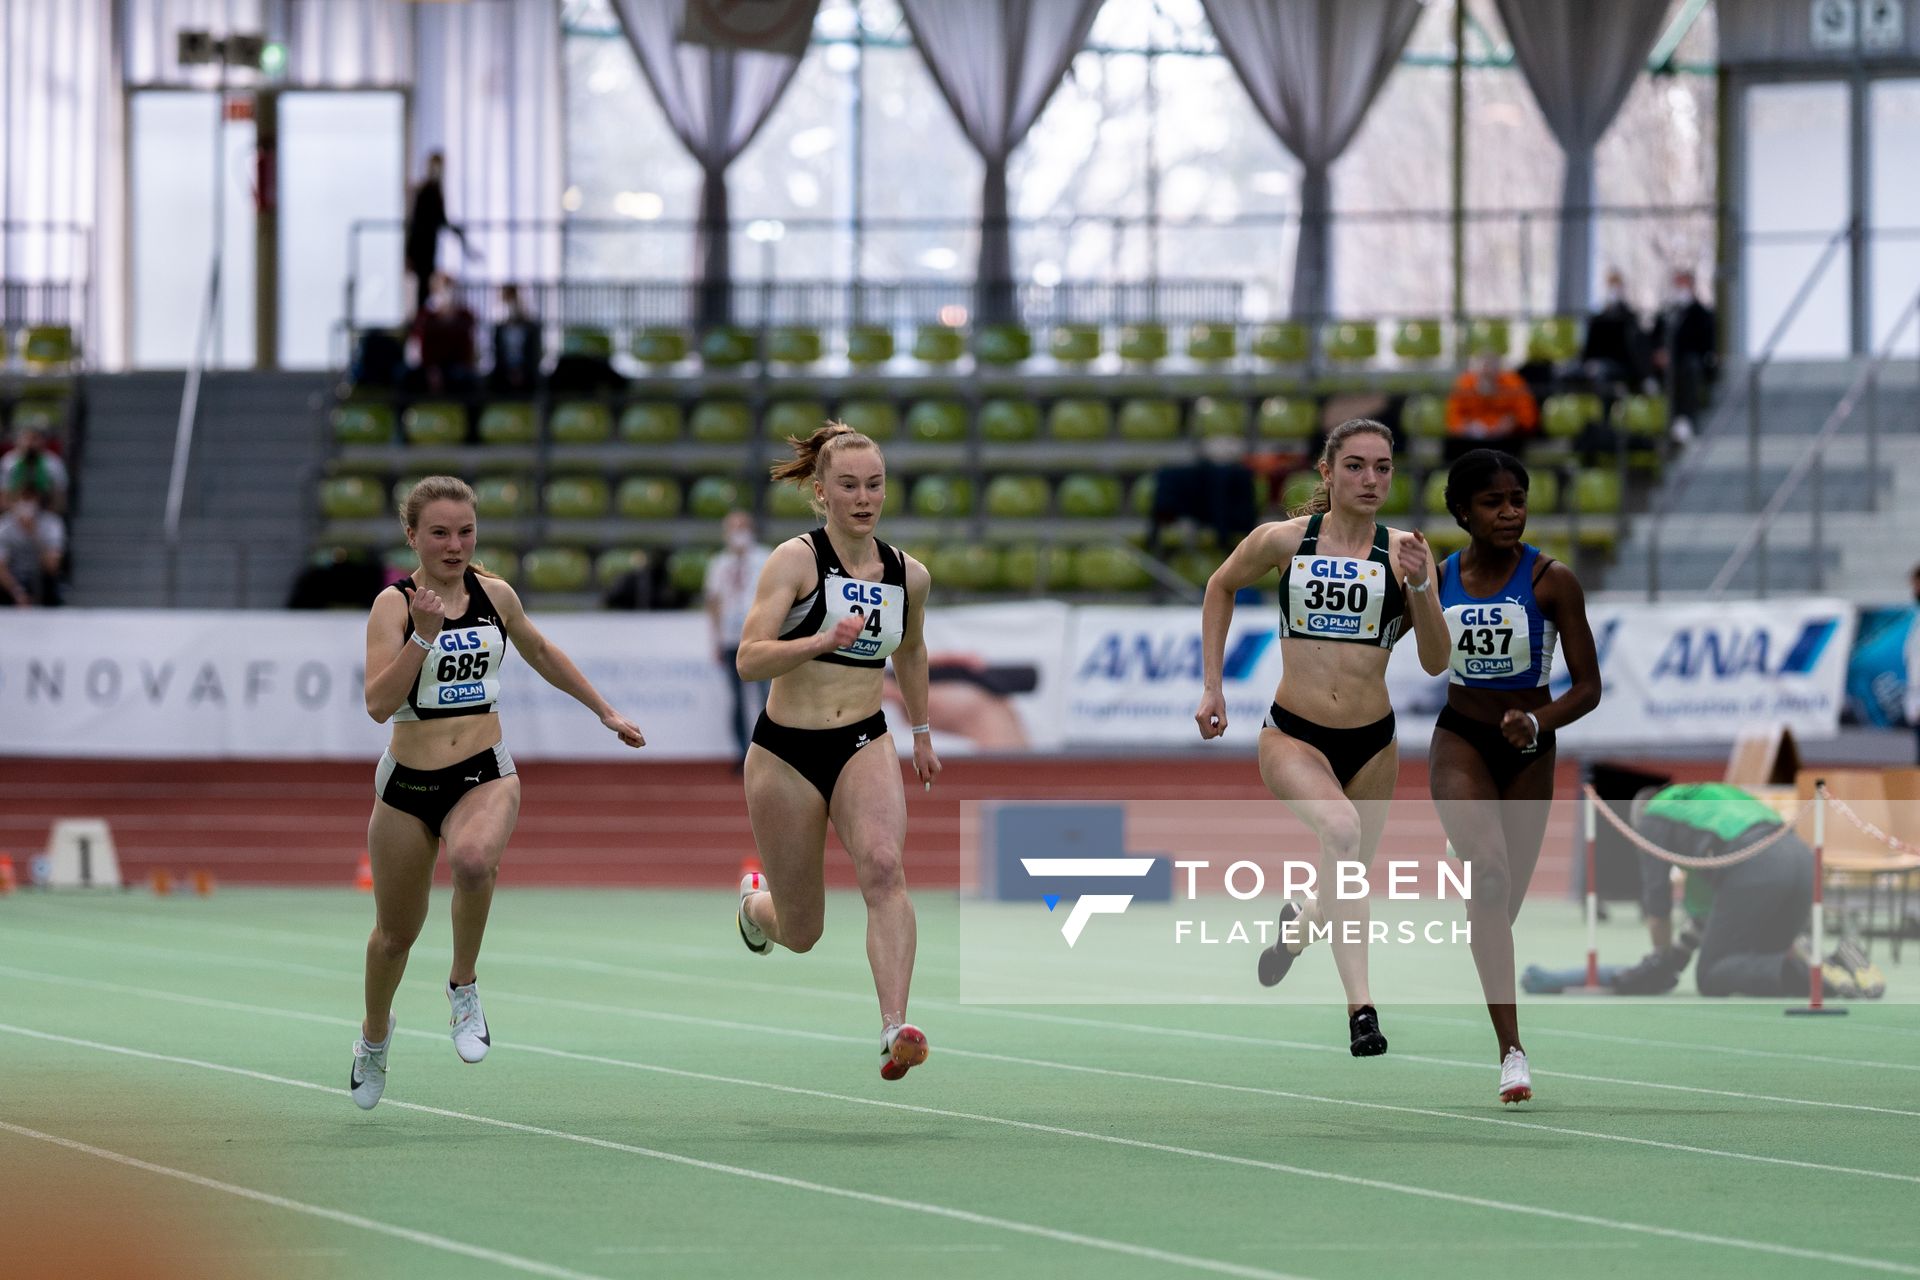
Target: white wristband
{"points": [[1536, 726], [1419, 588], [922, 728], [422, 641]]}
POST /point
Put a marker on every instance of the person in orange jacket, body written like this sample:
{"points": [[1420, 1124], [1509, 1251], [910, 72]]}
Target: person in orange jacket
{"points": [[1490, 408]]}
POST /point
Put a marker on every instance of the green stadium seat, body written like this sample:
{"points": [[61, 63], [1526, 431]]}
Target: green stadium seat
{"points": [[1078, 418], [1596, 492], [1143, 343], [658, 345], [1195, 565], [406, 560], [1543, 491], [1445, 539], [869, 345], [616, 563], [1145, 419], [723, 422], [1298, 490], [1030, 567], [1424, 417], [351, 498], [1399, 499], [1076, 343], [791, 502], [591, 343], [435, 423], [576, 497], [498, 561], [1642, 416], [363, 424], [875, 419], [687, 569], [648, 498], [1288, 418], [1219, 416], [48, 415], [1556, 338], [937, 422], [651, 422], [1016, 497], [794, 344], [1351, 341], [1089, 495], [1562, 417], [711, 497], [727, 347], [49, 348], [1008, 421], [1212, 342], [502, 498], [967, 566], [401, 488], [1282, 343], [1418, 340], [1002, 344], [508, 423], [938, 344], [557, 569], [1106, 567], [1488, 335], [581, 422], [1140, 496], [937, 497], [1433, 495], [793, 418]]}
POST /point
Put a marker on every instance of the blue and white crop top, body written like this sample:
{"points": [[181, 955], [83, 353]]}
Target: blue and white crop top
{"points": [[1324, 597], [1501, 641], [461, 677], [883, 604]]}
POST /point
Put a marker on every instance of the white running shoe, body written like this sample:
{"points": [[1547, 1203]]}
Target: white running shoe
{"points": [[470, 1039], [368, 1079], [1516, 1084], [750, 933]]}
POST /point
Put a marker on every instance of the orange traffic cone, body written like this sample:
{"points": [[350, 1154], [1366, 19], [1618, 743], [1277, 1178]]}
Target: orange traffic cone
{"points": [[363, 877], [161, 882], [203, 883], [8, 881]]}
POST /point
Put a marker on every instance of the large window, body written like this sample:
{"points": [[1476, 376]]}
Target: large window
{"points": [[1149, 161]]}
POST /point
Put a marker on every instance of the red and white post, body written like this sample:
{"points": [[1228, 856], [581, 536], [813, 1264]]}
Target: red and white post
{"points": [[1592, 986], [1814, 1003]]}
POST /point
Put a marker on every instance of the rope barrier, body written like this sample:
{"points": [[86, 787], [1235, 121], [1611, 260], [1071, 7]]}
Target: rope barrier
{"points": [[1894, 843], [1715, 862]]}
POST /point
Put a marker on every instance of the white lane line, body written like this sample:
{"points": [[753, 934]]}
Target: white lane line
{"points": [[1050, 1019], [1642, 1043], [427, 1238], [1207, 1264], [757, 1175], [758, 1029]]}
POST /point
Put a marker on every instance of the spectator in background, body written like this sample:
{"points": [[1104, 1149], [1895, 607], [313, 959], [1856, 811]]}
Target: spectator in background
{"points": [[444, 328], [1215, 492], [1686, 347], [33, 467], [1490, 408], [1913, 662], [732, 578], [32, 543], [425, 221], [1615, 350], [516, 348]]}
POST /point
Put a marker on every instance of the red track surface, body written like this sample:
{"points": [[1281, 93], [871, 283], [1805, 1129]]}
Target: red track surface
{"points": [[657, 824]]}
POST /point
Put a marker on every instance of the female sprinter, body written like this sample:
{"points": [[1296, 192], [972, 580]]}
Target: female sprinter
{"points": [[1347, 587], [830, 608], [435, 645], [1491, 764]]}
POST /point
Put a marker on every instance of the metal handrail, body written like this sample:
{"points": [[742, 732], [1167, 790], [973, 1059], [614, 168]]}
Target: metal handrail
{"points": [[189, 413], [1809, 460], [1750, 388]]}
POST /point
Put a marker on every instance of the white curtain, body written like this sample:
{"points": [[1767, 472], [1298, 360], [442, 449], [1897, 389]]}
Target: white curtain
{"points": [[1313, 67], [61, 190], [716, 100], [1580, 59], [997, 62]]}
